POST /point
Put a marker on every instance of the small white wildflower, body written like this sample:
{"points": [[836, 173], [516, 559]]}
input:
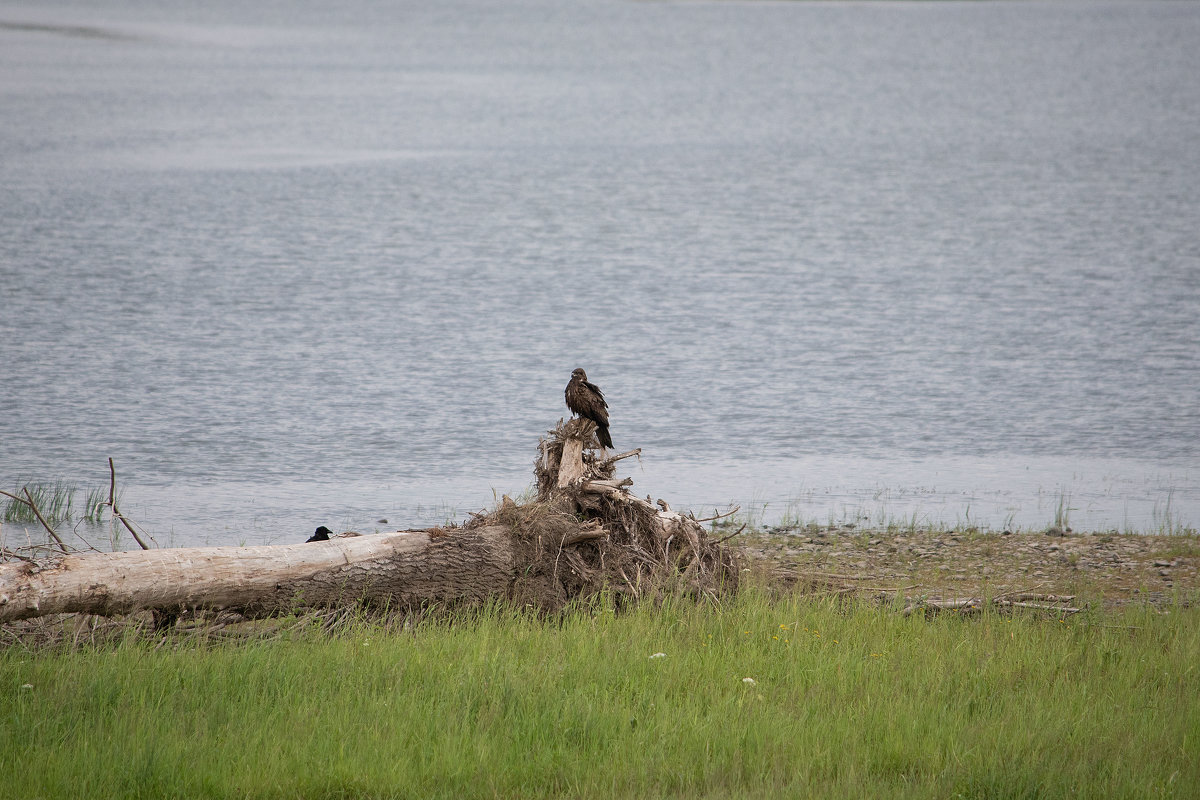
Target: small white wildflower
{"points": [[659, 655], [749, 681]]}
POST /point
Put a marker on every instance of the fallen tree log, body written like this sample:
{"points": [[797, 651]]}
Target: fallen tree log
{"points": [[584, 533], [405, 568]]}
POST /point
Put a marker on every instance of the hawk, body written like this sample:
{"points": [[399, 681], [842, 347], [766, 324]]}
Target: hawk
{"points": [[586, 400]]}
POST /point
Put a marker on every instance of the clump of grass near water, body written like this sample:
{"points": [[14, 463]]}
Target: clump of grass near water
{"points": [[93, 507], [1167, 522], [791, 697], [1062, 514], [54, 500]]}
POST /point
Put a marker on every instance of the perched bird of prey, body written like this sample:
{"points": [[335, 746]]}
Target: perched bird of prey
{"points": [[321, 535], [586, 400]]}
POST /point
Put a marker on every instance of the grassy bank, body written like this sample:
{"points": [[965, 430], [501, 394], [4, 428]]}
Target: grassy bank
{"points": [[842, 702]]}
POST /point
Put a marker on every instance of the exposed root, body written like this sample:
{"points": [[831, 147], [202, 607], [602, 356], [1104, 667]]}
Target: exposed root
{"points": [[586, 532]]}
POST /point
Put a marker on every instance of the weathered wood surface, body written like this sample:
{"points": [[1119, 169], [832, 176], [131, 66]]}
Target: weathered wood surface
{"points": [[405, 568], [570, 466]]}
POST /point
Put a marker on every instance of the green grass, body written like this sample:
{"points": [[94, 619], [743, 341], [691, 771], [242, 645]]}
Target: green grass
{"points": [[1166, 521], [1062, 515], [94, 504], [54, 500], [851, 701]]}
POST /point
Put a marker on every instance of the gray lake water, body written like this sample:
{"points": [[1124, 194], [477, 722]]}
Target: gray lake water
{"points": [[300, 263]]}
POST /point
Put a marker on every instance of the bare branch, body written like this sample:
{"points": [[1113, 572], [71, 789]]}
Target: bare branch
{"points": [[619, 456], [29, 502], [112, 504], [729, 513]]}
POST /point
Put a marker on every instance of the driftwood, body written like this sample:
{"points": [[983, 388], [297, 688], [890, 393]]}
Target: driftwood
{"points": [[585, 533], [1055, 604]]}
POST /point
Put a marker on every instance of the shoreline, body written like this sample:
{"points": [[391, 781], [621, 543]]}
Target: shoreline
{"points": [[1108, 568]]}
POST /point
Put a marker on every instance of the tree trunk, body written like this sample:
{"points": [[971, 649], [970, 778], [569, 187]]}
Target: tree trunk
{"points": [[403, 569]]}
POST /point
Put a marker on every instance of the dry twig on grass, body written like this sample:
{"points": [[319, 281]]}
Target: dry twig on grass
{"points": [[1050, 602]]}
